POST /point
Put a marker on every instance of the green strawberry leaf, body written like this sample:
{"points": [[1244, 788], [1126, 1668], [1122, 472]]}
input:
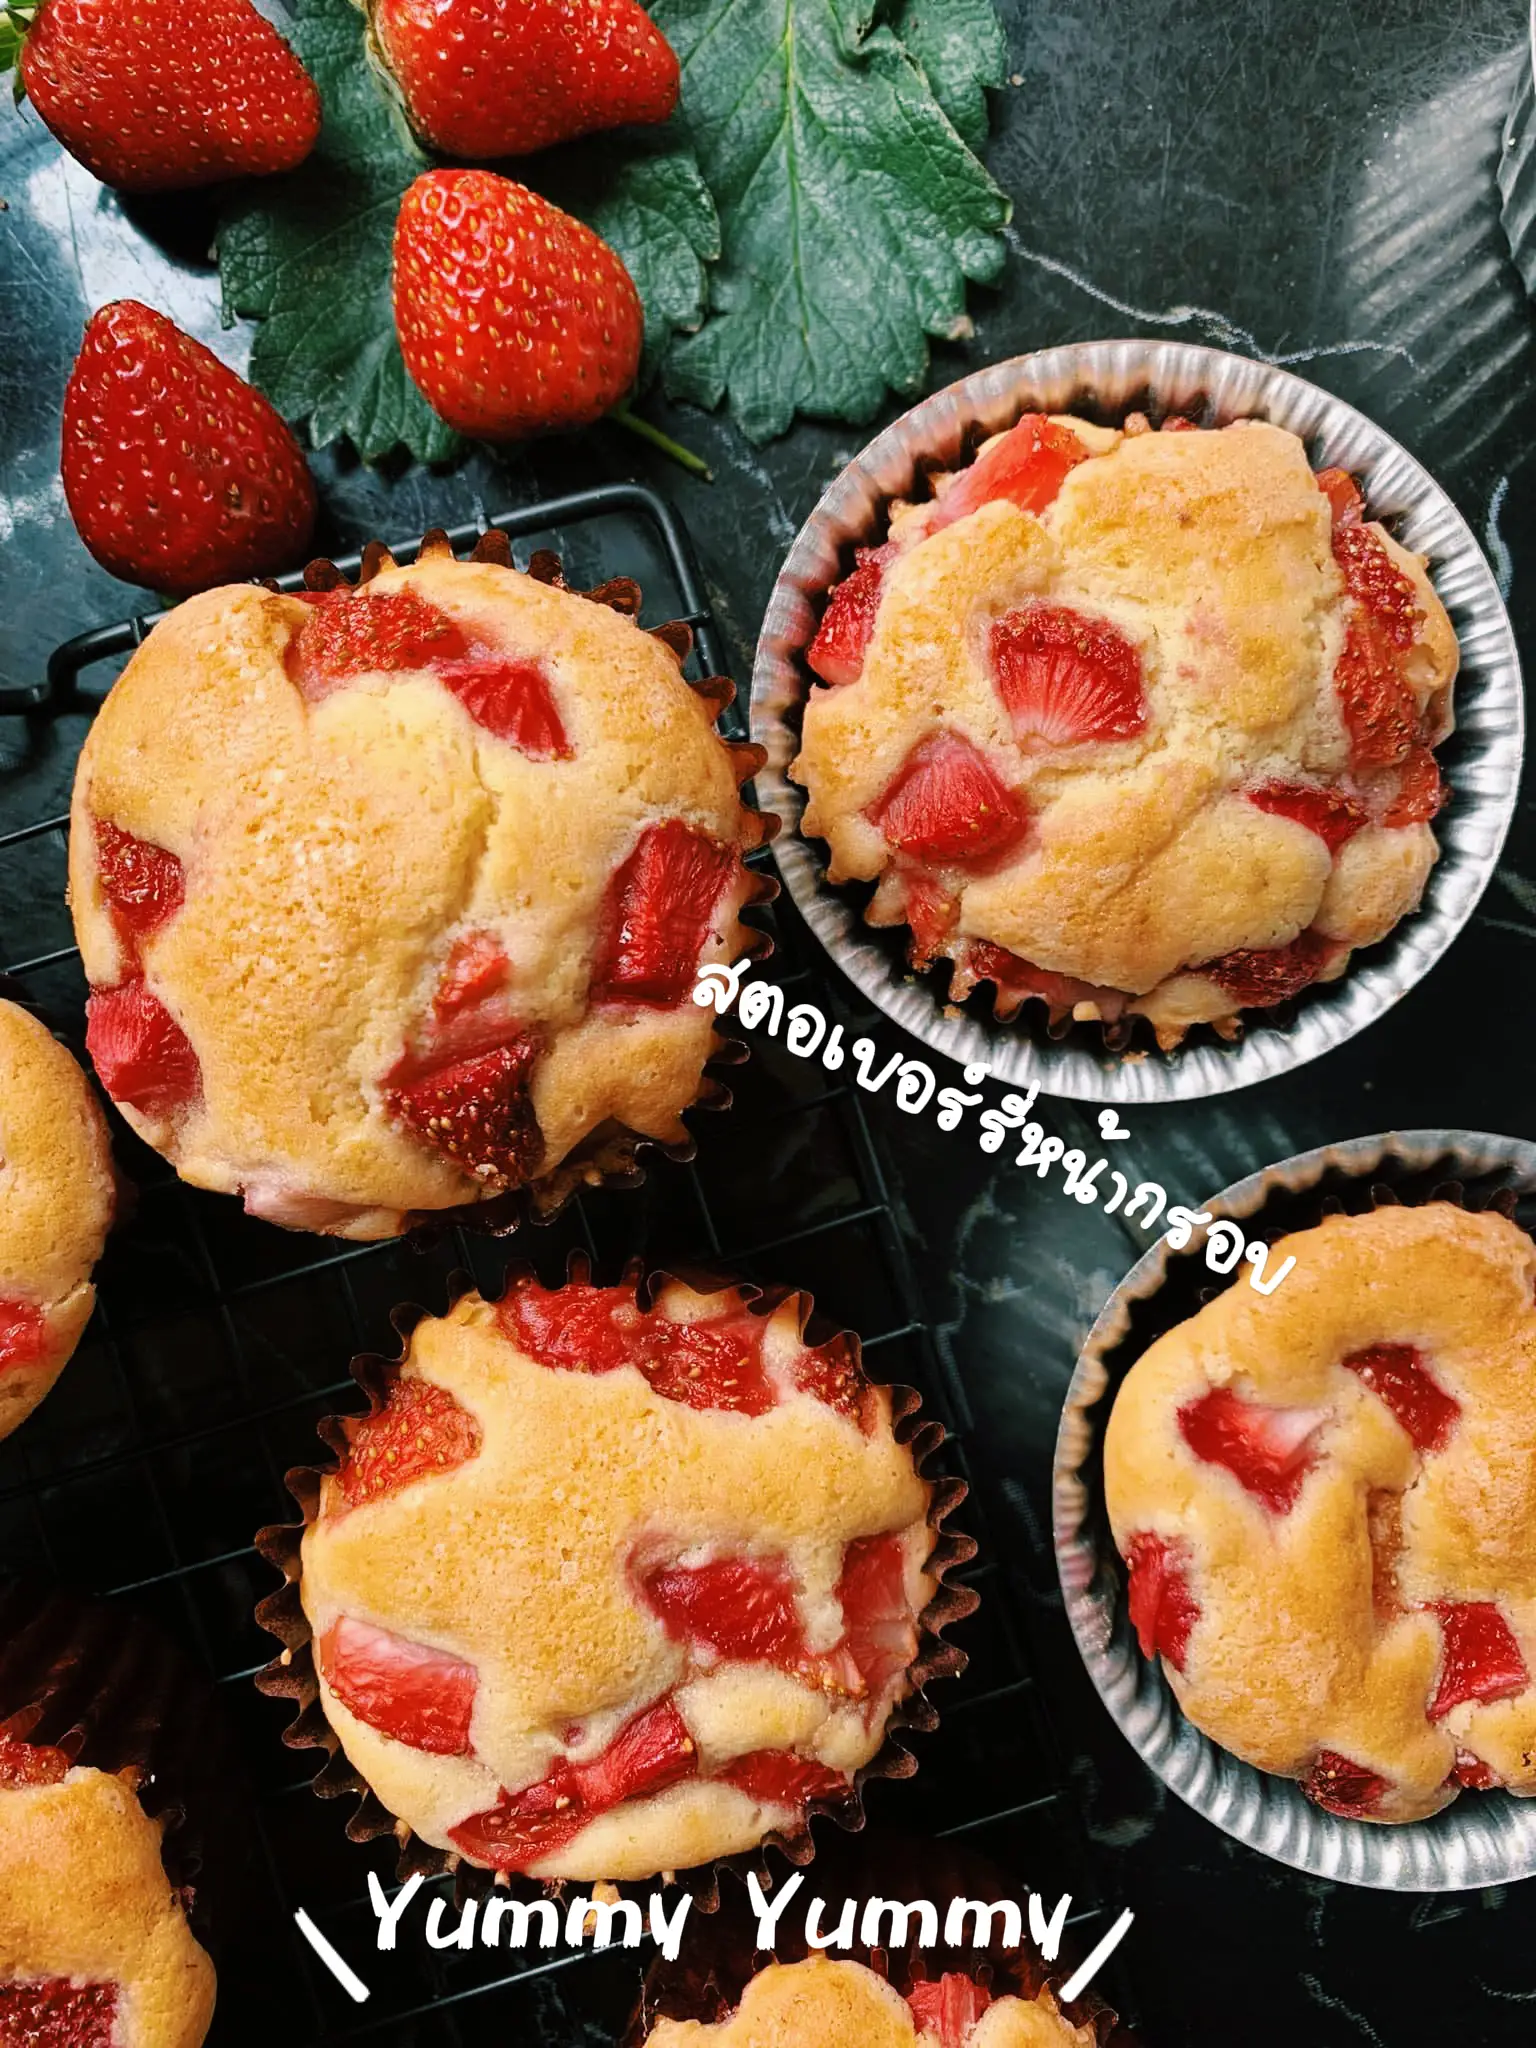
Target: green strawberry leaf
{"points": [[961, 48], [852, 213]]}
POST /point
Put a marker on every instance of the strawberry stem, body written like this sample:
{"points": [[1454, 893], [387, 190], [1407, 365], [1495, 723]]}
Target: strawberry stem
{"points": [[15, 20], [685, 457]]}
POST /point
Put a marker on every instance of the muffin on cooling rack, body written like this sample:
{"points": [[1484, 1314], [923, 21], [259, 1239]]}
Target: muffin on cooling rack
{"points": [[391, 898], [825, 2004], [1135, 723], [1325, 1499], [57, 1195], [602, 1590]]}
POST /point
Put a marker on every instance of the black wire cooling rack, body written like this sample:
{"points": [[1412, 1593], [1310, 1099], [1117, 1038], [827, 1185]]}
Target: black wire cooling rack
{"points": [[219, 1340]]}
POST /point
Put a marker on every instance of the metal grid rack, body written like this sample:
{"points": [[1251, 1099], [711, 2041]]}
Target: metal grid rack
{"points": [[219, 1340]]}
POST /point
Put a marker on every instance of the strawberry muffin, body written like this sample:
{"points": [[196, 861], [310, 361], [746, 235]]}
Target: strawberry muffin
{"points": [[95, 1950], [601, 1590], [392, 898], [1133, 723], [57, 1195], [1326, 1502], [824, 2004]]}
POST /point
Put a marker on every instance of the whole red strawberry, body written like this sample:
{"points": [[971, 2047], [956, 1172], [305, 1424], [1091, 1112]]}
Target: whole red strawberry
{"points": [[513, 318], [503, 77], [158, 99], [178, 475]]}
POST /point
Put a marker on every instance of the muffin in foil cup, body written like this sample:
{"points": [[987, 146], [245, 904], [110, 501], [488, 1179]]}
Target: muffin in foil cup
{"points": [[1104, 381], [1483, 1837]]}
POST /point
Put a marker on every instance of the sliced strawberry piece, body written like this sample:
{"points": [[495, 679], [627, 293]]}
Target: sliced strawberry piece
{"points": [[1333, 814], [713, 1364], [476, 967], [932, 914], [1163, 1610], [350, 634], [513, 699], [1472, 1772], [58, 2012], [848, 623], [419, 1696], [23, 1333], [576, 1328], [1396, 1374], [1420, 792], [1028, 465], [949, 2006], [1017, 980], [421, 1430], [140, 1052], [740, 1607], [1067, 680], [716, 1362], [658, 913], [1345, 1788], [478, 1112], [830, 1375], [947, 803], [143, 884], [1345, 501], [1375, 581], [1480, 1659], [30, 1763], [1176, 423], [880, 1628], [1258, 977], [777, 1777], [1268, 1450], [1377, 706], [650, 1753]]}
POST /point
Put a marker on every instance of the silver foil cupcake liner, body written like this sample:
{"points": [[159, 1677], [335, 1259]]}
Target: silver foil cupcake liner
{"points": [[1106, 380], [1482, 1838]]}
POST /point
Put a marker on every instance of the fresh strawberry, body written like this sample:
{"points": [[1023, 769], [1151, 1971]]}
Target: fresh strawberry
{"points": [[948, 2007], [478, 1112], [424, 1698], [58, 2012], [658, 913], [848, 623], [207, 91], [1375, 581], [650, 1753], [1333, 814], [739, 1607], [476, 967], [948, 804], [1471, 1771], [1420, 792], [1258, 977], [1268, 1450], [420, 1431], [512, 699], [1163, 1610], [1345, 1788], [1344, 498], [880, 1629], [1480, 1659], [1028, 465], [489, 78], [351, 633], [716, 1362], [1378, 708], [1396, 1374], [30, 1763], [23, 1333], [932, 914], [143, 884], [178, 474], [141, 1054], [777, 1777], [1067, 679], [514, 319]]}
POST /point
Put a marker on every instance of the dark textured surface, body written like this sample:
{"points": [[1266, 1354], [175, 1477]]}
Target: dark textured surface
{"points": [[1312, 182]]}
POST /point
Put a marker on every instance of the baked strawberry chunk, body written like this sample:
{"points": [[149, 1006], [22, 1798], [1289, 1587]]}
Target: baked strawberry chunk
{"points": [[350, 633], [777, 1777], [1396, 1374], [1333, 814], [30, 1763], [420, 1431], [1472, 1772], [880, 1629], [948, 2006], [1017, 980], [478, 1112], [932, 914], [1163, 1610], [1028, 465], [1258, 977], [739, 1607], [23, 1333], [1374, 579], [716, 1362], [512, 699], [1345, 1788], [1379, 710], [1480, 1659], [1066, 679], [848, 623], [648, 1754], [56, 2012], [830, 1376], [1268, 1450], [1420, 792], [476, 967], [420, 1696], [1345, 501], [658, 914], [140, 1052], [144, 884], [948, 804]]}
